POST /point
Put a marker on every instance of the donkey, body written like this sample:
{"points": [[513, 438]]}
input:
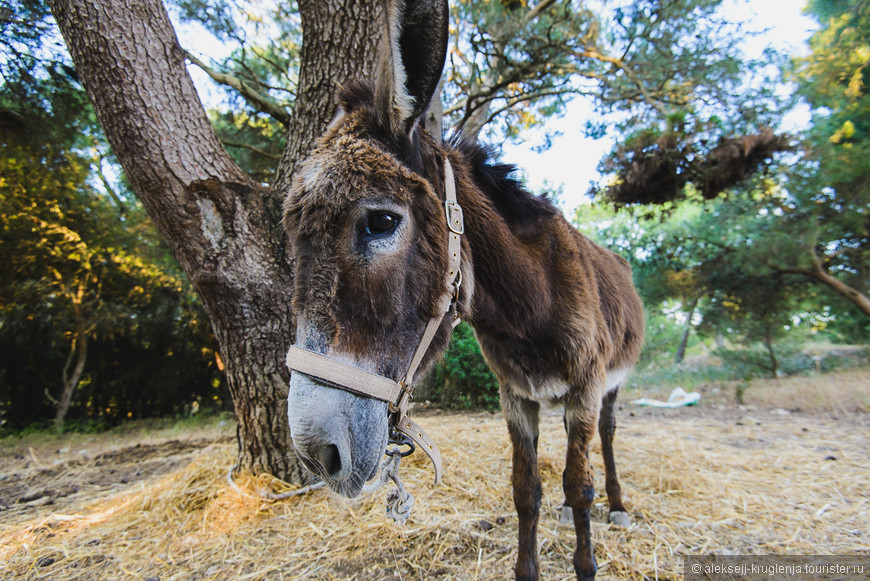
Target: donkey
{"points": [[376, 253]]}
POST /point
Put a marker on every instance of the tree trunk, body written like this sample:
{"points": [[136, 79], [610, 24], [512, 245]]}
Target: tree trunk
{"points": [[340, 41], [222, 227], [79, 350], [684, 341], [768, 342]]}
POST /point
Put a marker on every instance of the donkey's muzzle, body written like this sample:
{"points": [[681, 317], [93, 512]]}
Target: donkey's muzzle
{"points": [[339, 436]]}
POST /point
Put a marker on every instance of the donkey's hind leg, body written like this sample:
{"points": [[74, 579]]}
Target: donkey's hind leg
{"points": [[522, 420], [581, 416], [606, 429]]}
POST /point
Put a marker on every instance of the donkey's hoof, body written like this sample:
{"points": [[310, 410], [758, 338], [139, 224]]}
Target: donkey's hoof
{"points": [[620, 519]]}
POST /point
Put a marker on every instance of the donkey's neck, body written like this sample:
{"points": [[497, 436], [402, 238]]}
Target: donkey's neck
{"points": [[513, 295]]}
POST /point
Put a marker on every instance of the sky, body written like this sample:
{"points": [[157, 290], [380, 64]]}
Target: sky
{"points": [[570, 163]]}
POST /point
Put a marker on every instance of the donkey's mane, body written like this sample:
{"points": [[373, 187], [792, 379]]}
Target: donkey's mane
{"points": [[499, 183]]}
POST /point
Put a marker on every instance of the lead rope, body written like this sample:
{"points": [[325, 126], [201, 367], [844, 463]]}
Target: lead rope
{"points": [[399, 500]]}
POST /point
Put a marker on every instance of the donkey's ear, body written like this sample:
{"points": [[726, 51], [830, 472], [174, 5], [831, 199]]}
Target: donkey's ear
{"points": [[416, 46]]}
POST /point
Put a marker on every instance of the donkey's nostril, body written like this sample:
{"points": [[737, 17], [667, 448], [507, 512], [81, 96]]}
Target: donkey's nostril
{"points": [[330, 460], [327, 461]]}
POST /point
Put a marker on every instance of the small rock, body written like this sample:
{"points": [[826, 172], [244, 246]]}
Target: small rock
{"points": [[484, 525], [44, 561], [748, 421], [830, 457]]}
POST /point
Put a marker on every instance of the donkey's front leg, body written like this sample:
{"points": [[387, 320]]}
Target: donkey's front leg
{"points": [[581, 417], [522, 419]]}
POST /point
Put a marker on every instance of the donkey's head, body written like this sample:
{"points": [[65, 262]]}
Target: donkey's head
{"points": [[366, 217]]}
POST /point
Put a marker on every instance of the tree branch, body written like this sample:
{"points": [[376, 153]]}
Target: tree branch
{"points": [[537, 10], [265, 104], [122, 207], [253, 148], [477, 113], [818, 273]]}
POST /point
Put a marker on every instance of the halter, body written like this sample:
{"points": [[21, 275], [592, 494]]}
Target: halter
{"points": [[398, 393]]}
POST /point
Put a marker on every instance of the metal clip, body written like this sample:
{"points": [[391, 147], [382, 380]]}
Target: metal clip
{"points": [[397, 438], [457, 284]]}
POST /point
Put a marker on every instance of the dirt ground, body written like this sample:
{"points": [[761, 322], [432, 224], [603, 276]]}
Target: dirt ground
{"points": [[785, 474]]}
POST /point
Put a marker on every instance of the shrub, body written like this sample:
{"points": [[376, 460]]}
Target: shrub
{"points": [[462, 379]]}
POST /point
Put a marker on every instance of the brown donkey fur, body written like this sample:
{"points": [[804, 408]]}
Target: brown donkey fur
{"points": [[557, 316]]}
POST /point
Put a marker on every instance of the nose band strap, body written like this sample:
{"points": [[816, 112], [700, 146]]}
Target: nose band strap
{"points": [[355, 380], [398, 393], [343, 375]]}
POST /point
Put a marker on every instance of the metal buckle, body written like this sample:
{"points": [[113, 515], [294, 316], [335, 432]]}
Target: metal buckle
{"points": [[454, 217], [405, 395]]}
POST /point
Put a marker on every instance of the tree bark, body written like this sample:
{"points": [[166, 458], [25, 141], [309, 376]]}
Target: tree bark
{"points": [[340, 41], [222, 227]]}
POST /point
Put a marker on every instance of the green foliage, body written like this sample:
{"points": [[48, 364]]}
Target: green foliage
{"points": [[831, 188], [717, 251], [462, 379], [754, 361], [81, 266], [71, 269], [254, 141], [661, 337], [216, 16]]}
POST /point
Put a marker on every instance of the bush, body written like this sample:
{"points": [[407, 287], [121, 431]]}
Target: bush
{"points": [[462, 379]]}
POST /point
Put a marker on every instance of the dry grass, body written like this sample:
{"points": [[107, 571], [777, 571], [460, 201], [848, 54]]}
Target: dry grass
{"points": [[697, 481]]}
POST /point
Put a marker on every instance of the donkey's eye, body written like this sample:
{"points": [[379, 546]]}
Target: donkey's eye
{"points": [[381, 223]]}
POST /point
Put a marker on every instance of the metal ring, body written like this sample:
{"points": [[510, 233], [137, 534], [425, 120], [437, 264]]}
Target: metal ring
{"points": [[397, 438]]}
